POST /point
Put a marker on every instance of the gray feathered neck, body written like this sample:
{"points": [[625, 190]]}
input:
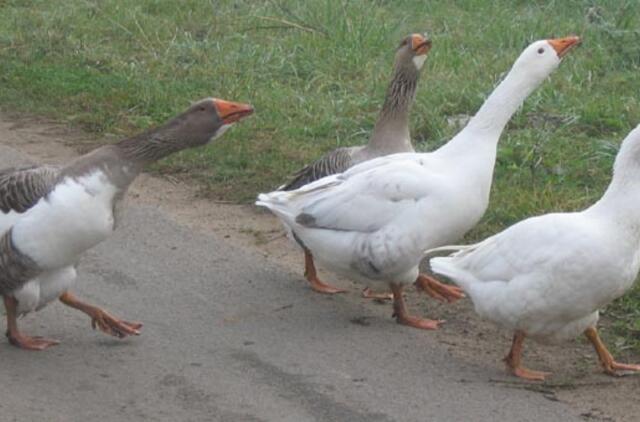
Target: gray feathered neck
{"points": [[401, 92], [152, 145], [391, 131]]}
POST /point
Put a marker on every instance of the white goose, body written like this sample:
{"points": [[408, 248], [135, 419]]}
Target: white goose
{"points": [[374, 221], [50, 215], [547, 276], [390, 135]]}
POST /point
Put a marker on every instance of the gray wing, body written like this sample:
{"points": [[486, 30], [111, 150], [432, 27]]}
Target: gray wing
{"points": [[336, 161], [21, 188]]}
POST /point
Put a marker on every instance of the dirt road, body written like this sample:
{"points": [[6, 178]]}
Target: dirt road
{"points": [[232, 333]]}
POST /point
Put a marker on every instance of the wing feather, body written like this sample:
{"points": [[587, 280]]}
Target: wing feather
{"points": [[336, 161], [21, 188], [380, 193]]}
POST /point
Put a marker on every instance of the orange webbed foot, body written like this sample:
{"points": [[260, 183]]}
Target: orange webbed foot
{"points": [[616, 369], [437, 290], [610, 366], [31, 343], [113, 326], [421, 323], [321, 287], [367, 293], [529, 374], [311, 275]]}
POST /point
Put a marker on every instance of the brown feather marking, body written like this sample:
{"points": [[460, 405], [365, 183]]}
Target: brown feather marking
{"points": [[336, 161], [15, 267], [22, 188]]}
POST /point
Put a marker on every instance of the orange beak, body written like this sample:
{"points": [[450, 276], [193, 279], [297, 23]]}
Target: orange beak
{"points": [[420, 44], [231, 112], [563, 45]]}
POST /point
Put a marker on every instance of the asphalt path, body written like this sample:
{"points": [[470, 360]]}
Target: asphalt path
{"points": [[231, 336]]}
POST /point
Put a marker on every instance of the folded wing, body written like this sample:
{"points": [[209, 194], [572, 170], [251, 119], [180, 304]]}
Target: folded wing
{"points": [[21, 188], [364, 199]]}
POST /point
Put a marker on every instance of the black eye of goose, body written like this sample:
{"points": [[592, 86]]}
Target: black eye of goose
{"points": [[540, 50], [201, 108]]}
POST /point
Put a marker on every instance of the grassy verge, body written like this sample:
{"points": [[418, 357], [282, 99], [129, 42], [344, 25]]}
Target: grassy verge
{"points": [[316, 72]]}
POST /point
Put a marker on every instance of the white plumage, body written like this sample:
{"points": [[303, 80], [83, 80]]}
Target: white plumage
{"points": [[44, 289], [374, 221], [547, 276], [75, 216]]}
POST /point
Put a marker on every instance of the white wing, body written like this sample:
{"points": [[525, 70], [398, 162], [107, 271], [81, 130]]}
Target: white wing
{"points": [[528, 246], [364, 199]]}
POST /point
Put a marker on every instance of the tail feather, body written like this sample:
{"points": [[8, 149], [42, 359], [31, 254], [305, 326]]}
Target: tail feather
{"points": [[276, 202], [444, 250], [445, 266]]}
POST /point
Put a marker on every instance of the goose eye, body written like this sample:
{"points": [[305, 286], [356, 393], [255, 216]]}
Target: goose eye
{"points": [[201, 108], [541, 50]]}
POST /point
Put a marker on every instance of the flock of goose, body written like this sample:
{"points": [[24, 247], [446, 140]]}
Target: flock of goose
{"points": [[372, 213]]}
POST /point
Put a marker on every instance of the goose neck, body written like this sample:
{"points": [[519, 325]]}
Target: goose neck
{"points": [[501, 105], [149, 147], [392, 124]]}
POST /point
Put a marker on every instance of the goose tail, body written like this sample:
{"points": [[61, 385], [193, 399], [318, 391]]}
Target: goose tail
{"points": [[277, 203], [446, 266]]}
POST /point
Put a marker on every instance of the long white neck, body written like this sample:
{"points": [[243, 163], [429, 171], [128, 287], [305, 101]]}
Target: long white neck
{"points": [[621, 200], [484, 129], [472, 153]]}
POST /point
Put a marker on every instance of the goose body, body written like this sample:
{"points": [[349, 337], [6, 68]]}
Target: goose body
{"points": [[54, 231], [373, 221], [51, 215], [390, 135], [370, 222], [542, 276], [546, 277], [75, 216]]}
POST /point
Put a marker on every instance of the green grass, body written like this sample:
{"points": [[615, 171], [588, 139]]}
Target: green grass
{"points": [[316, 72]]}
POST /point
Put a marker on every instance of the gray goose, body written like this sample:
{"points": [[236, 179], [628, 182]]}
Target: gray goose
{"points": [[50, 215], [390, 135]]}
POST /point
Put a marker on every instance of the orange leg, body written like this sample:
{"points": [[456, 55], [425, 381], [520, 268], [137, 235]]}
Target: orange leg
{"points": [[15, 337], [514, 361], [101, 319], [438, 290], [367, 293], [311, 275], [403, 317], [606, 359]]}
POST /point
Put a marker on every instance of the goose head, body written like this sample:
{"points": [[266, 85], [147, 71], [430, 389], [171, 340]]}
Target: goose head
{"points": [[200, 124], [206, 120], [412, 51], [542, 57]]}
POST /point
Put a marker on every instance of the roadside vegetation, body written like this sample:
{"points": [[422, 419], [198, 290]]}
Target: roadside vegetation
{"points": [[316, 72]]}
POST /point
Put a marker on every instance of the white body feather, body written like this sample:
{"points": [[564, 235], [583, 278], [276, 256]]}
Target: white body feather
{"points": [[374, 221], [75, 216], [376, 218], [47, 287], [549, 275]]}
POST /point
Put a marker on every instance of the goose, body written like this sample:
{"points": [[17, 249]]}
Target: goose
{"points": [[546, 277], [50, 215], [390, 135], [373, 221]]}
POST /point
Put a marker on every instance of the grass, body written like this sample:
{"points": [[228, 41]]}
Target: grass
{"points": [[316, 72]]}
